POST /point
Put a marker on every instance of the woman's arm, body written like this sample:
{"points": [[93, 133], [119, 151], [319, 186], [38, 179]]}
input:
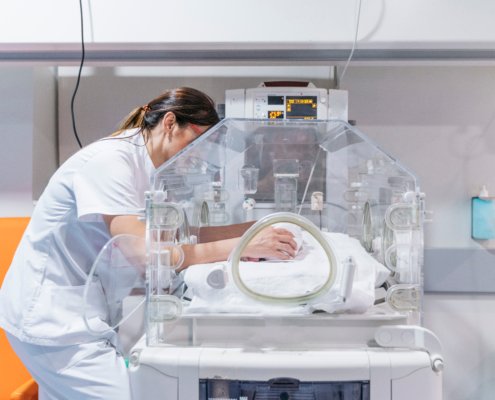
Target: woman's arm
{"points": [[208, 234], [269, 243], [125, 224]]}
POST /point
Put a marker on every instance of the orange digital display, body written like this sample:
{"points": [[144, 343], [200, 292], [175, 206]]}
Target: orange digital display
{"points": [[275, 114], [301, 107]]}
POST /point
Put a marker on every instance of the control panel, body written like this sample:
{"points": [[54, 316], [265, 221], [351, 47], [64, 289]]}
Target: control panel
{"points": [[277, 102]]}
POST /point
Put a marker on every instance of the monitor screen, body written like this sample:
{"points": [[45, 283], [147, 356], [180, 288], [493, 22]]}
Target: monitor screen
{"points": [[301, 107]]}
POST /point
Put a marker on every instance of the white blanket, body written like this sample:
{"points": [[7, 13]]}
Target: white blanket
{"points": [[302, 275]]}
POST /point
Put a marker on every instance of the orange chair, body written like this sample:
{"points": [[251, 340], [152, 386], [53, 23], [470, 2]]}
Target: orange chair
{"points": [[27, 391], [14, 376]]}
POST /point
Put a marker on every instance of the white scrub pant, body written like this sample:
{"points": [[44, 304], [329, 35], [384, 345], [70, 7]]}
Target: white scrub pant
{"points": [[87, 371]]}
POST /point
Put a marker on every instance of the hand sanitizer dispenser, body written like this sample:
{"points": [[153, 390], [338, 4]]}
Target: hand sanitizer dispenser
{"points": [[483, 216]]}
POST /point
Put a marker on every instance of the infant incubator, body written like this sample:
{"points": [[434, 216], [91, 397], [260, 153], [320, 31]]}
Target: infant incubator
{"points": [[341, 320]]}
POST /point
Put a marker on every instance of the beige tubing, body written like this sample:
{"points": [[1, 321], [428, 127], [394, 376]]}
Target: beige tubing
{"points": [[262, 224]]}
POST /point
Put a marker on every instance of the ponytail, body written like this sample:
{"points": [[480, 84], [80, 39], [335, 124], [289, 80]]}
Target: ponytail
{"points": [[190, 106]]}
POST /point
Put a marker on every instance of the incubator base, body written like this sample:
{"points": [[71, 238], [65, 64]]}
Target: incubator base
{"points": [[209, 373]]}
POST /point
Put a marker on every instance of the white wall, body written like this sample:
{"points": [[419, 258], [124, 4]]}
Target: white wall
{"points": [[45, 133], [16, 132], [28, 133]]}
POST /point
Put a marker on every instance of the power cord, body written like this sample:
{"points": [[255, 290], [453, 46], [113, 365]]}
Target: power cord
{"points": [[353, 45], [83, 54]]}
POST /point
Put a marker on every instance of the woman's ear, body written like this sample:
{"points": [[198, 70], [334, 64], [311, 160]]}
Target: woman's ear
{"points": [[169, 121]]}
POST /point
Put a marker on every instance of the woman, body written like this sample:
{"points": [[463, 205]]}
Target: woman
{"points": [[96, 194]]}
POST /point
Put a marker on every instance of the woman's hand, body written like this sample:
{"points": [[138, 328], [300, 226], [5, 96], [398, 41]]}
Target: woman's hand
{"points": [[274, 243]]}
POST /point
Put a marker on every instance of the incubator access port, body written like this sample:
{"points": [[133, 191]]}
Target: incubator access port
{"points": [[404, 297], [164, 308], [248, 179], [285, 174], [217, 204]]}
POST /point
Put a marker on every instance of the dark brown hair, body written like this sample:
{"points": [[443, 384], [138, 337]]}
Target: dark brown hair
{"points": [[190, 106]]}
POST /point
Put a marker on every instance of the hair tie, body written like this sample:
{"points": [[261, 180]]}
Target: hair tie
{"points": [[145, 108]]}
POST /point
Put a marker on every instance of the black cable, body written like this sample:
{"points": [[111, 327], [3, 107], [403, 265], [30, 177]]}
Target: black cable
{"points": [[83, 53]]}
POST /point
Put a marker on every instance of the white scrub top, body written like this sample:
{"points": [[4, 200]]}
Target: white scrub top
{"points": [[41, 298]]}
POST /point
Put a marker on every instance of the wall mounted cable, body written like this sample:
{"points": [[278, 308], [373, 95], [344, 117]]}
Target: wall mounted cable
{"points": [[83, 53], [339, 80]]}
